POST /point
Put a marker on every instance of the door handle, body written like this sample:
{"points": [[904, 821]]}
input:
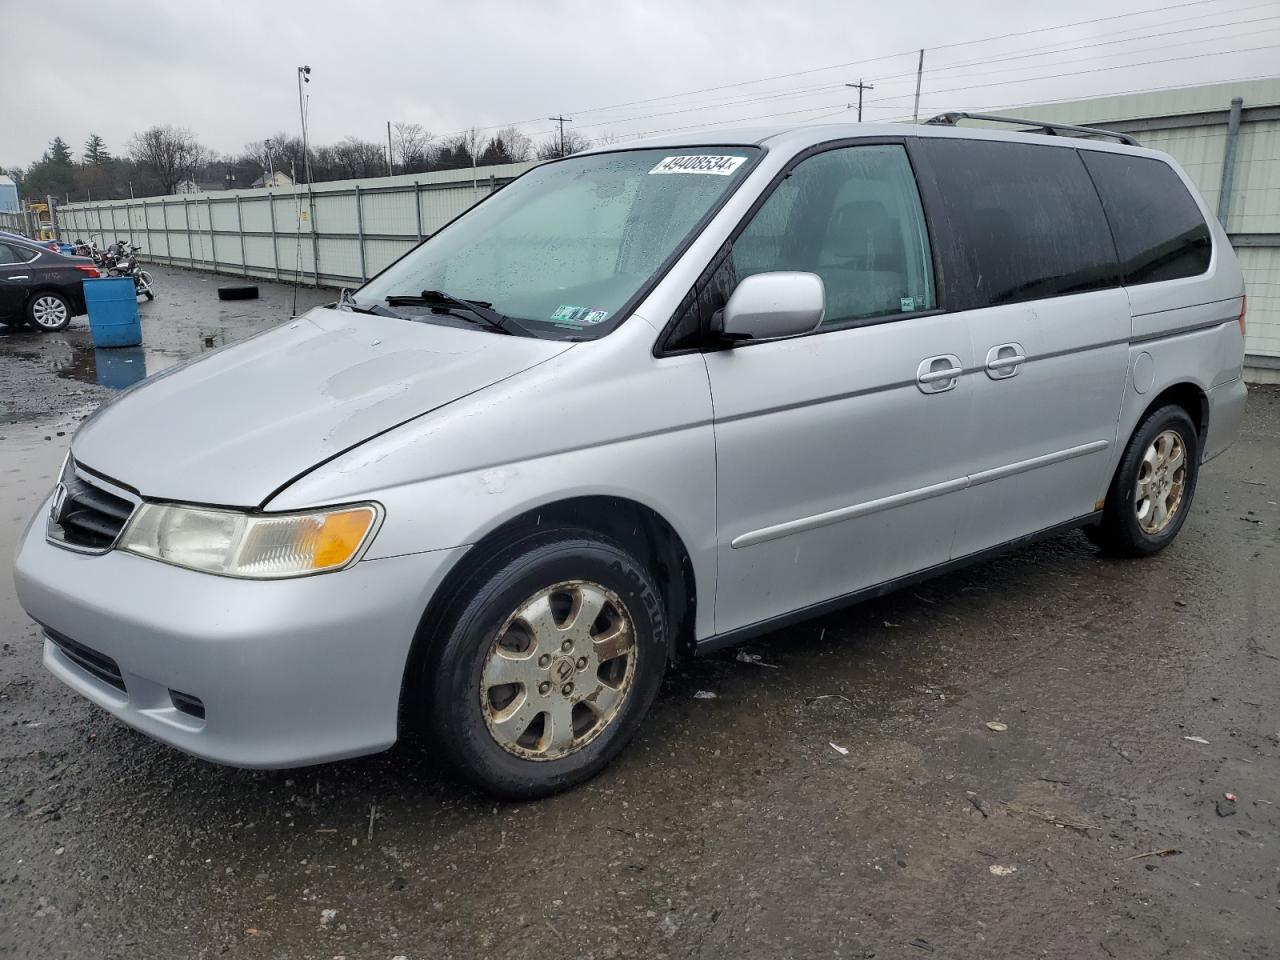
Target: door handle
{"points": [[23, 277], [1005, 360], [939, 374]]}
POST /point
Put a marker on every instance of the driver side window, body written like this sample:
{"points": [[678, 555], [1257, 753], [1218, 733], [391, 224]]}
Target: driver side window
{"points": [[853, 217]]}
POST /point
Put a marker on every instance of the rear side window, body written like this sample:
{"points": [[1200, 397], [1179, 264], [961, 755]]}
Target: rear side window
{"points": [[1016, 222], [9, 255], [1159, 230]]}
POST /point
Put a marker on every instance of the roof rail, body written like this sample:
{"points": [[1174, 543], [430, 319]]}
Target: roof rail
{"points": [[1051, 129]]}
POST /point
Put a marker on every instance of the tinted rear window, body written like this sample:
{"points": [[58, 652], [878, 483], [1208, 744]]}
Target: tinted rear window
{"points": [[1016, 222], [1158, 227]]}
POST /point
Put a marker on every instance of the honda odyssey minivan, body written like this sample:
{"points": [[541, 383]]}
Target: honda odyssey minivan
{"points": [[643, 402]]}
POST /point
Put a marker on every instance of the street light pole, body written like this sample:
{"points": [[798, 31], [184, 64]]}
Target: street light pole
{"points": [[304, 76], [271, 173], [860, 86]]}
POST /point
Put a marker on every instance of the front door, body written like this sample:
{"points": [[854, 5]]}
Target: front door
{"points": [[15, 275], [837, 451]]}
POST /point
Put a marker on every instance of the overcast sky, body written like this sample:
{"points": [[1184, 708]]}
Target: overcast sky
{"points": [[226, 70]]}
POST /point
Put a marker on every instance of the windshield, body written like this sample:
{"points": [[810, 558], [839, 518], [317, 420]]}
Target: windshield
{"points": [[563, 249]]}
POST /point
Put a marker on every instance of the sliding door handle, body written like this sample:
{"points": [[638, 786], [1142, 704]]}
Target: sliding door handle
{"points": [[939, 374]]}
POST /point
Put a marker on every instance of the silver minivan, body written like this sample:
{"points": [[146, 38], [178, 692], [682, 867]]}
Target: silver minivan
{"points": [[644, 402]]}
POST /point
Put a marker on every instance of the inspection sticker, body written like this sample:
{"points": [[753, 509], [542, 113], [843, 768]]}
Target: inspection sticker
{"points": [[699, 163], [579, 316]]}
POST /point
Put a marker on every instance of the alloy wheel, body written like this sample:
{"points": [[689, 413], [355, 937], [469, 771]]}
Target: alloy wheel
{"points": [[1161, 482], [48, 312], [558, 670]]}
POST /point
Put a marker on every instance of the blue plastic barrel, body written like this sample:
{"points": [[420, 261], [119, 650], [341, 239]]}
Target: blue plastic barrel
{"points": [[112, 303]]}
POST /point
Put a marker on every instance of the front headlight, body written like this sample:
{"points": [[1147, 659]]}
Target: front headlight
{"points": [[260, 546]]}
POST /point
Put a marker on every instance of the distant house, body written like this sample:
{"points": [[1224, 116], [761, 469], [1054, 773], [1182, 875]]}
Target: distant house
{"points": [[277, 179], [8, 195], [191, 185]]}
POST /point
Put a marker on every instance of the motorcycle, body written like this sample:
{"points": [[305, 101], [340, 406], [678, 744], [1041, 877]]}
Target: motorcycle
{"points": [[121, 260]]}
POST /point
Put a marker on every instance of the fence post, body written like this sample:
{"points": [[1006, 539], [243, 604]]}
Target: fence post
{"points": [[164, 223], [360, 233], [244, 262], [275, 246], [1229, 161], [417, 207], [213, 243], [315, 236]]}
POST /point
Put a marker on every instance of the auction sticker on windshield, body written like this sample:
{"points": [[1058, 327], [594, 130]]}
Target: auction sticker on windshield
{"points": [[579, 316], [699, 163]]}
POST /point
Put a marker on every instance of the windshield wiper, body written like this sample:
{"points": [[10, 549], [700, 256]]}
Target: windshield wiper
{"points": [[482, 309], [347, 302]]}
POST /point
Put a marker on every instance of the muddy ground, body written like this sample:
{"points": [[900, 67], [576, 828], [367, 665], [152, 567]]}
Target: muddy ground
{"points": [[1093, 826]]}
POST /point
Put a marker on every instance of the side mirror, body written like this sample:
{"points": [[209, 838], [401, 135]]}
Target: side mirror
{"points": [[766, 306]]}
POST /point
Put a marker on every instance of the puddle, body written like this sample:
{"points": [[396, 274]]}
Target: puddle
{"points": [[72, 356]]}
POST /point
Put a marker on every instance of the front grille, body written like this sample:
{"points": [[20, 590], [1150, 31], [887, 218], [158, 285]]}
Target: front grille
{"points": [[89, 516], [88, 660]]}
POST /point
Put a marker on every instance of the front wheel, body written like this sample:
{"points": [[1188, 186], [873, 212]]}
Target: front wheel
{"points": [[1151, 493], [144, 285], [549, 666]]}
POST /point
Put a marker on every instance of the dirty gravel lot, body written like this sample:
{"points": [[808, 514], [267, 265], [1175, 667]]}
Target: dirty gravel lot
{"points": [[732, 827]]}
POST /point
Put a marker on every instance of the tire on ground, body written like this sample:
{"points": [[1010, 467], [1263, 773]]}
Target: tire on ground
{"points": [[1120, 532], [246, 291], [450, 680]]}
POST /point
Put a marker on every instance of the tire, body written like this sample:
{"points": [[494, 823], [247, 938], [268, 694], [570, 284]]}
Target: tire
{"points": [[522, 740], [1132, 524], [48, 311], [243, 292], [147, 290]]}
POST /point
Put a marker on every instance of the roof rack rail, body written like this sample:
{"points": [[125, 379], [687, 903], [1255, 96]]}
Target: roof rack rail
{"points": [[1051, 129]]}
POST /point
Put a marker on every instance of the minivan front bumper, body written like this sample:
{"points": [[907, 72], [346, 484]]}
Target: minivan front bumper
{"points": [[287, 672]]}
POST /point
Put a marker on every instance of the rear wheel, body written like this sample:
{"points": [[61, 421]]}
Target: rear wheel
{"points": [[1151, 493], [550, 664], [49, 311]]}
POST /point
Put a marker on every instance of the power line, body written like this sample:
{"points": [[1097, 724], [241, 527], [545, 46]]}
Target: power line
{"points": [[936, 47], [933, 47], [957, 89], [617, 121]]}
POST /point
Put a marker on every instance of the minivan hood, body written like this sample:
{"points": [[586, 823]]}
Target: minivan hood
{"points": [[234, 426]]}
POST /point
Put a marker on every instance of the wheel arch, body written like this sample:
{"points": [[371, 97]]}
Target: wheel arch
{"points": [[1188, 395], [634, 525]]}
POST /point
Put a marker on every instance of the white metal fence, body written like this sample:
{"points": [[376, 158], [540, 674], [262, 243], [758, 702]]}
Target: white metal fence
{"points": [[335, 234]]}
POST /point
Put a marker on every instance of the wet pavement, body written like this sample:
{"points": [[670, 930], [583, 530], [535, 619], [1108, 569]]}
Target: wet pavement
{"points": [[843, 796]]}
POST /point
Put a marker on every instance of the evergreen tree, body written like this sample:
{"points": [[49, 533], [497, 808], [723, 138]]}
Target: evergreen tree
{"points": [[59, 152], [95, 150]]}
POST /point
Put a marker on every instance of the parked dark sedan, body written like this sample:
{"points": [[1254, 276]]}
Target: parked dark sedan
{"points": [[40, 287]]}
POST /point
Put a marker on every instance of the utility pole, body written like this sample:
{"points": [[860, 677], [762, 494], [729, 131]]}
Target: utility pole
{"points": [[562, 121], [915, 112], [390, 169], [271, 173], [860, 86]]}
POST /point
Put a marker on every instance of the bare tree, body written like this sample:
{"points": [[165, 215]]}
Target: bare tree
{"points": [[170, 153], [409, 145], [573, 143], [508, 145], [353, 157]]}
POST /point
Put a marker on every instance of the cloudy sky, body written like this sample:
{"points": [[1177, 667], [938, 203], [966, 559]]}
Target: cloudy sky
{"points": [[227, 70]]}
